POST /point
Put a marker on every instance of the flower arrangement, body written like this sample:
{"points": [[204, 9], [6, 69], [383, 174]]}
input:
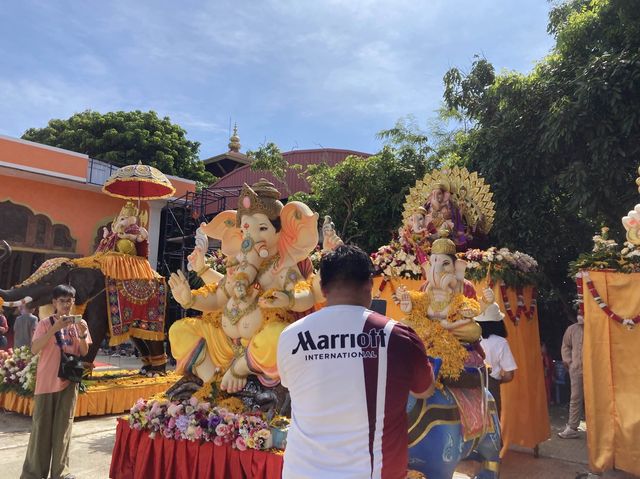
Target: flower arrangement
{"points": [[396, 261], [315, 258], [18, 371], [217, 261], [606, 254], [199, 421], [514, 268]]}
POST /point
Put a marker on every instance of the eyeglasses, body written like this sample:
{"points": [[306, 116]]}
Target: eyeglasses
{"points": [[65, 300]]}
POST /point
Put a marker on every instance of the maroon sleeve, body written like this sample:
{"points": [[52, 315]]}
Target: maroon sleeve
{"points": [[422, 372]]}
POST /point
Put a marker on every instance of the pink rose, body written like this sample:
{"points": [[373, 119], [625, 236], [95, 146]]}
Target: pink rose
{"points": [[240, 444]]}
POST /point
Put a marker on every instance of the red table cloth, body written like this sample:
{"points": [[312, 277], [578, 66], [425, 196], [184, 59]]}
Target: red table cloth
{"points": [[137, 456]]}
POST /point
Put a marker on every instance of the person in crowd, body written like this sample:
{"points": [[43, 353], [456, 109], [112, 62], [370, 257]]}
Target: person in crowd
{"points": [[349, 371], [24, 327], [572, 358], [4, 329], [54, 397], [548, 368], [496, 348]]}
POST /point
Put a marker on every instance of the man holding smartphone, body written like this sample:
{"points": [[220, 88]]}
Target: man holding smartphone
{"points": [[54, 397]]}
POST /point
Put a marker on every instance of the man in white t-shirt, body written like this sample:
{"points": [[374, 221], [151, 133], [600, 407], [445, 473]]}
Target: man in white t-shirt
{"points": [[349, 372], [496, 349]]}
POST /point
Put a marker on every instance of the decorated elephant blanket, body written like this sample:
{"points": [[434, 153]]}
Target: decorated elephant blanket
{"points": [[474, 415], [136, 308]]}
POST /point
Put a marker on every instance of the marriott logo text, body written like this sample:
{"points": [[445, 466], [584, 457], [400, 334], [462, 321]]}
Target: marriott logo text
{"points": [[373, 339]]}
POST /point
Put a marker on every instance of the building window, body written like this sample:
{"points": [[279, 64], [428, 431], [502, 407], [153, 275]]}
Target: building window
{"points": [[14, 222], [62, 238], [21, 227], [42, 226]]}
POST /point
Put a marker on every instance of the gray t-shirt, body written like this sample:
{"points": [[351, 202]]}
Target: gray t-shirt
{"points": [[23, 330]]}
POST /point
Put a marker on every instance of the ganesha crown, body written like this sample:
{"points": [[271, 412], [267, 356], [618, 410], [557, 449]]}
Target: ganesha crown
{"points": [[262, 197]]}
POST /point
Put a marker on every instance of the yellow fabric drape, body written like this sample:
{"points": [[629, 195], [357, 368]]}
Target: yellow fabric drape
{"points": [[525, 416], [107, 398], [118, 265], [611, 374]]}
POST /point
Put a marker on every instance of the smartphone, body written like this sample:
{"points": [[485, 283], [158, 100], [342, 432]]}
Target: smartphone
{"points": [[73, 318]]}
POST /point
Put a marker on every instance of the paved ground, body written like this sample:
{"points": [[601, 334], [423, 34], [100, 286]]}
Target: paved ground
{"points": [[93, 440]]}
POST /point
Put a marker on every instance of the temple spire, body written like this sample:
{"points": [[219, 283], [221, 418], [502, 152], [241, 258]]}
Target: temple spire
{"points": [[234, 141]]}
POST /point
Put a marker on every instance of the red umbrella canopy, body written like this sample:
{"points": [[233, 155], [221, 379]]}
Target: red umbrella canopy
{"points": [[142, 182]]}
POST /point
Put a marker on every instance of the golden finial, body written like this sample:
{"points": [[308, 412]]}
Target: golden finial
{"points": [[234, 141]]}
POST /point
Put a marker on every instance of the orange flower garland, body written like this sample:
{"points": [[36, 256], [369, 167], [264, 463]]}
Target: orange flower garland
{"points": [[438, 342]]}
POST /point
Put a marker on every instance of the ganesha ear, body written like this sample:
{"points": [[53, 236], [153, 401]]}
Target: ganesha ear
{"points": [[223, 228], [299, 233]]}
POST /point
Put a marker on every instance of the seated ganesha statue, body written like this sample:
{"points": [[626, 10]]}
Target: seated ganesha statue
{"points": [[269, 283], [442, 312]]}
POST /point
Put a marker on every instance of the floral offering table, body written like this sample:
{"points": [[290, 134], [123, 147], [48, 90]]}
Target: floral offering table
{"points": [[192, 439]]}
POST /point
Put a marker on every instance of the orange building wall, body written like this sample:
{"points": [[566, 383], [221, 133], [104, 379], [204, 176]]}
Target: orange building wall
{"points": [[82, 211], [182, 186], [34, 156]]}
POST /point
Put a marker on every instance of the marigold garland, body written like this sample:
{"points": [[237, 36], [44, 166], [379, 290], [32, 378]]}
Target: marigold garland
{"points": [[206, 290], [438, 342], [460, 302]]}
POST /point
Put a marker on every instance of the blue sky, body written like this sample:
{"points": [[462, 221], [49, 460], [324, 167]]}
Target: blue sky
{"points": [[303, 73]]}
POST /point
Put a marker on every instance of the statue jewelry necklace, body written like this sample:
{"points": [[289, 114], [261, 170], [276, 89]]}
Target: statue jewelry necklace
{"points": [[235, 313]]}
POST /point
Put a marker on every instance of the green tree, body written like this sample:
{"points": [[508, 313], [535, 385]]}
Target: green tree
{"points": [[365, 196], [559, 145], [123, 138], [268, 157]]}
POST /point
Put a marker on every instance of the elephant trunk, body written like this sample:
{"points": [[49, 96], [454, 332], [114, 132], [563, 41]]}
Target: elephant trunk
{"points": [[11, 295], [25, 294]]}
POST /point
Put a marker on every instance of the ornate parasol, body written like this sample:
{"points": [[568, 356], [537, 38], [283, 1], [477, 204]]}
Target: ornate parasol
{"points": [[141, 182]]}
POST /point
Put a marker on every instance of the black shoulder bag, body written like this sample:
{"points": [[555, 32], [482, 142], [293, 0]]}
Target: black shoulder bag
{"points": [[71, 367]]}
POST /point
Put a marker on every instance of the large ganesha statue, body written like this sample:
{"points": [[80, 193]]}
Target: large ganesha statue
{"points": [[269, 283], [460, 417]]}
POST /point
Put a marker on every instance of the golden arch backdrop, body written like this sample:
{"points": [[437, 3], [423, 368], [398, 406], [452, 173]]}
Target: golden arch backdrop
{"points": [[525, 416]]}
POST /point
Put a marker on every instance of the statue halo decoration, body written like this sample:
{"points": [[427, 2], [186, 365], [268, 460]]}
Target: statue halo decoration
{"points": [[479, 211]]}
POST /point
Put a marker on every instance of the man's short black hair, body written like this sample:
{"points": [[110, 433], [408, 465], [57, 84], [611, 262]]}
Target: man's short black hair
{"points": [[64, 291], [345, 264]]}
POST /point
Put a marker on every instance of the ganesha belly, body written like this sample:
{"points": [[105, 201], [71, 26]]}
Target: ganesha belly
{"points": [[267, 285], [442, 314]]}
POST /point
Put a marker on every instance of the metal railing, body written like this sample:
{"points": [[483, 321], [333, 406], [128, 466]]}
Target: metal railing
{"points": [[98, 171]]}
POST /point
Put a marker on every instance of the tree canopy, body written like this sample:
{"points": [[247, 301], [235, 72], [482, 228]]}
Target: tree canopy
{"points": [[365, 196], [123, 138], [559, 145]]}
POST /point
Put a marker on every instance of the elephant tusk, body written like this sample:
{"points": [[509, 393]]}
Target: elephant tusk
{"points": [[15, 304], [6, 250]]}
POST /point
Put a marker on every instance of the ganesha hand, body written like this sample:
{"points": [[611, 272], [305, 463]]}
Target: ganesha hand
{"points": [[196, 261], [488, 296], [275, 299], [402, 299], [180, 289]]}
